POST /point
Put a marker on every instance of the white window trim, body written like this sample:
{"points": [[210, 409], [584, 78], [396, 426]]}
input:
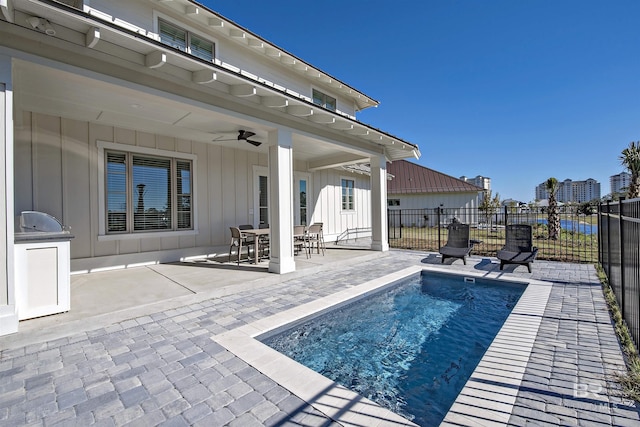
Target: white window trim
{"points": [[297, 176], [348, 211], [260, 171], [156, 30], [102, 229]]}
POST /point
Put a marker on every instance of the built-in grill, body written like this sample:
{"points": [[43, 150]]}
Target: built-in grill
{"points": [[42, 265], [34, 222]]}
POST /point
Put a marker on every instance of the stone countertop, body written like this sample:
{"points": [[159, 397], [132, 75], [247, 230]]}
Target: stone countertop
{"points": [[39, 236]]}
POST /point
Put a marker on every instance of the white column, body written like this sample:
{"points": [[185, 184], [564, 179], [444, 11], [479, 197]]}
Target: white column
{"points": [[8, 311], [379, 237], [281, 202]]}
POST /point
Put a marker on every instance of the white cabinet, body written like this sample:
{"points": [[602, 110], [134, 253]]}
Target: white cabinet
{"points": [[42, 271]]}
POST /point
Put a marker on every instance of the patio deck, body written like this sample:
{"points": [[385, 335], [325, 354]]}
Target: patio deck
{"points": [[139, 347]]}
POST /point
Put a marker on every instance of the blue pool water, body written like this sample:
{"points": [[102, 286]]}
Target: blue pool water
{"points": [[575, 226], [412, 348]]}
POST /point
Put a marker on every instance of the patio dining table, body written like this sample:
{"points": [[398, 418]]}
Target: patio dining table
{"points": [[256, 233]]}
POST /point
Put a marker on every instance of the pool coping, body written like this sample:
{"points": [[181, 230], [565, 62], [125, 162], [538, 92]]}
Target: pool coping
{"points": [[493, 383]]}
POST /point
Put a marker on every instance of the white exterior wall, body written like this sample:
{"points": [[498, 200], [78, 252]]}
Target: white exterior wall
{"points": [[57, 172], [8, 306], [327, 208], [467, 204], [142, 17]]}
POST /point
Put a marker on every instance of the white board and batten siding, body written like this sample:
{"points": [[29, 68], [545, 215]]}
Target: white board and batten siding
{"points": [[58, 168], [58, 171], [328, 207]]}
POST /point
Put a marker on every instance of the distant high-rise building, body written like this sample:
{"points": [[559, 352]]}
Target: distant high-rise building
{"points": [[478, 181], [572, 191], [620, 183]]}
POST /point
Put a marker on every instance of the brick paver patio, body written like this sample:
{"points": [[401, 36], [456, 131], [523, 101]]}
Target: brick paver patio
{"points": [[164, 369]]}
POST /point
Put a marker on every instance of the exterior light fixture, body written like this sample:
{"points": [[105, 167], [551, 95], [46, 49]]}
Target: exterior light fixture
{"points": [[42, 25]]}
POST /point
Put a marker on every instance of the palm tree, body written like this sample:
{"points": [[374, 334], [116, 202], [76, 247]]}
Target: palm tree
{"points": [[553, 217], [630, 158]]}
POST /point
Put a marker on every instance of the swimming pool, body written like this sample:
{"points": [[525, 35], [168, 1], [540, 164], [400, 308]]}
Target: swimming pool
{"points": [[489, 394], [410, 348]]}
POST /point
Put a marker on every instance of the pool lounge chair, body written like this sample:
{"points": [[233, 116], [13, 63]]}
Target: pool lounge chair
{"points": [[458, 244], [518, 248]]}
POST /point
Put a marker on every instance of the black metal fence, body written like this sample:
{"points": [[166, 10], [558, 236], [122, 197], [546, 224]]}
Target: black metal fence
{"points": [[619, 254], [426, 229]]}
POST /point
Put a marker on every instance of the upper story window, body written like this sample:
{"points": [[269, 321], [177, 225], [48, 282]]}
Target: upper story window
{"points": [[393, 202], [184, 40], [324, 100]]}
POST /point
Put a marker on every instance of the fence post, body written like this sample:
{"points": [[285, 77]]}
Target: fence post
{"points": [[400, 213], [600, 248], [438, 218], [621, 238], [506, 214], [609, 239]]}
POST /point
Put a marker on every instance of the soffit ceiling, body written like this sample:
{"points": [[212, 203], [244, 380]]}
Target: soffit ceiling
{"points": [[50, 91]]}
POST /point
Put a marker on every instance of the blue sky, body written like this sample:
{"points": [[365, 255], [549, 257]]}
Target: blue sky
{"points": [[516, 90]]}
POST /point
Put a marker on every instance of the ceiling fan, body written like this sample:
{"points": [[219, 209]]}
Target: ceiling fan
{"points": [[244, 135]]}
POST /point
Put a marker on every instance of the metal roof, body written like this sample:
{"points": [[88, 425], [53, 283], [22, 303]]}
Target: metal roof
{"points": [[412, 178]]}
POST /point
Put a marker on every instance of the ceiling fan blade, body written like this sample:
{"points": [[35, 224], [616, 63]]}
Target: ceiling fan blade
{"points": [[254, 143], [244, 134]]}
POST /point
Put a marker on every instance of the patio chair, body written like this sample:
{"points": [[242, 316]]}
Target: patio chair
{"points": [[263, 241], [315, 237], [300, 239], [518, 248], [458, 244], [247, 239], [238, 240]]}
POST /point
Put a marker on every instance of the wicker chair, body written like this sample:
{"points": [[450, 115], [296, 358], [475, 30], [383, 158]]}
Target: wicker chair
{"points": [[518, 248]]}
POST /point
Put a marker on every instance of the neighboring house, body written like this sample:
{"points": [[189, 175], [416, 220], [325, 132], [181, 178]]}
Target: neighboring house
{"points": [[418, 187], [124, 120]]}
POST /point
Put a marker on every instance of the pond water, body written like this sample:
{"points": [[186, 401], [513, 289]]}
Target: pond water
{"points": [[575, 226]]}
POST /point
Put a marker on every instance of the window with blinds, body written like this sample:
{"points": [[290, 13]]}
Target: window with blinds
{"points": [[116, 192], [347, 194], [186, 41], [183, 194], [146, 193]]}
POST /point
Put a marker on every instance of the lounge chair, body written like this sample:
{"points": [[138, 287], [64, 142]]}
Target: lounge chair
{"points": [[518, 248], [458, 244]]}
